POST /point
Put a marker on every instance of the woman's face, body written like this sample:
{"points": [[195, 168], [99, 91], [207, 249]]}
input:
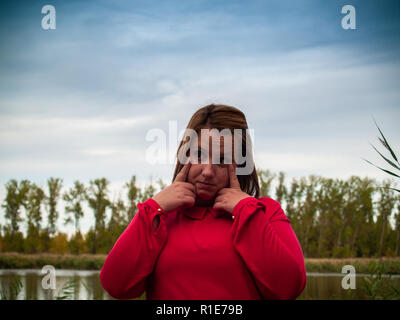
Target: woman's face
{"points": [[209, 178]]}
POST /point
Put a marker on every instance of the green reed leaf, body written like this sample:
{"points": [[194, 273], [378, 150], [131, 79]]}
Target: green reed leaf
{"points": [[386, 144], [387, 171], [387, 160]]}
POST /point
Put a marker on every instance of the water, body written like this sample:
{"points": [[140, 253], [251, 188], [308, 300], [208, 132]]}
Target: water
{"points": [[88, 286], [328, 286], [319, 285]]}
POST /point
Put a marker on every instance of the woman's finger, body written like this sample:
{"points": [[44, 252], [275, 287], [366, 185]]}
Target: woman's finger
{"points": [[218, 205], [189, 186], [188, 201], [182, 175], [189, 193]]}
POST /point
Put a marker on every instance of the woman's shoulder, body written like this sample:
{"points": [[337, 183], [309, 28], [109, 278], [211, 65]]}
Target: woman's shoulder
{"points": [[274, 208], [269, 201]]}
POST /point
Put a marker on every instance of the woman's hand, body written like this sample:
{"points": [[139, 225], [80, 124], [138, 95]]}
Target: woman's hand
{"points": [[228, 198], [179, 193]]}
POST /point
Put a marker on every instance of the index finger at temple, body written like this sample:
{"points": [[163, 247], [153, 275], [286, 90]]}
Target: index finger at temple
{"points": [[182, 175]]}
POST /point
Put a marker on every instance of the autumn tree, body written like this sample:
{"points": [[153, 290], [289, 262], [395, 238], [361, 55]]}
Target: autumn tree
{"points": [[74, 198], [15, 198], [385, 207], [133, 195], [33, 206], [97, 197], [265, 178], [397, 226], [281, 190], [147, 193], [54, 191]]}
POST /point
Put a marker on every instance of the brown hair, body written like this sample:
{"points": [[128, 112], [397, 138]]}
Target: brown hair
{"points": [[221, 117]]}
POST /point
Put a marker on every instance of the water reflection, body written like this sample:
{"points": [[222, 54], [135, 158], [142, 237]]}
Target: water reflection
{"points": [[328, 286], [87, 286]]}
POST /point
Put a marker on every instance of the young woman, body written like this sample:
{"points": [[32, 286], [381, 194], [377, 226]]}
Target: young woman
{"points": [[209, 235]]}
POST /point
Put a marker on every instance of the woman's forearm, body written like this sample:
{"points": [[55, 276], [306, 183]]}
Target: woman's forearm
{"points": [[133, 256], [264, 238]]}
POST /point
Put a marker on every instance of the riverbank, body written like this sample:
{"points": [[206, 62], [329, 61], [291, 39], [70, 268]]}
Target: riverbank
{"points": [[11, 260]]}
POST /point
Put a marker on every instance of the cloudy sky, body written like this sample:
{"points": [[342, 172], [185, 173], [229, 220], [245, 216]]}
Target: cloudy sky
{"points": [[77, 102]]}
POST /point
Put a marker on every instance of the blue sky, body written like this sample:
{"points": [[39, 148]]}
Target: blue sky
{"points": [[77, 102]]}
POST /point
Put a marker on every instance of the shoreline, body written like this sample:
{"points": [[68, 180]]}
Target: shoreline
{"points": [[13, 260]]}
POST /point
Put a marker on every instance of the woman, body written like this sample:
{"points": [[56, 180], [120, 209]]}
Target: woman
{"points": [[208, 235]]}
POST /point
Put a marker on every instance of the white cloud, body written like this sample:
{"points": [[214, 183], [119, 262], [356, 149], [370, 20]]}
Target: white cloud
{"points": [[63, 125], [326, 165]]}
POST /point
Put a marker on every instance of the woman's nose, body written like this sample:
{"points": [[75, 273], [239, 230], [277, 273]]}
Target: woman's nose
{"points": [[208, 170]]}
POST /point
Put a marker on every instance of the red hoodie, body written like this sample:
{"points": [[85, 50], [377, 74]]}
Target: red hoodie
{"points": [[200, 253]]}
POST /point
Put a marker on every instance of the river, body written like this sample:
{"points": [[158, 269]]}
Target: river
{"points": [[87, 285]]}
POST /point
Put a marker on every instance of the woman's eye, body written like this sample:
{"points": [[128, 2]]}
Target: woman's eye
{"points": [[223, 162], [201, 155]]}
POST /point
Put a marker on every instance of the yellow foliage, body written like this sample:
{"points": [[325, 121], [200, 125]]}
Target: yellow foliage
{"points": [[59, 244]]}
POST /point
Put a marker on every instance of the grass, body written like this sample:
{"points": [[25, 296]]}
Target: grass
{"points": [[12, 260], [378, 287], [11, 290], [362, 265]]}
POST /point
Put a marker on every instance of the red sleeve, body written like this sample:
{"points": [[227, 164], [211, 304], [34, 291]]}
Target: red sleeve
{"points": [[264, 238], [133, 256]]}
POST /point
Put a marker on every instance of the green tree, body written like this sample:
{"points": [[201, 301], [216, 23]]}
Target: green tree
{"points": [[161, 184], [308, 210], [326, 197], [290, 199], [118, 209], [1, 238], [116, 224], [15, 198], [33, 206], [363, 214], [281, 190], [97, 197], [397, 226], [344, 213], [74, 198], [133, 195], [148, 192], [386, 205], [265, 178], [54, 191]]}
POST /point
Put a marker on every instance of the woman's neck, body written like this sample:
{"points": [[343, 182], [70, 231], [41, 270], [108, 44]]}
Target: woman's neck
{"points": [[204, 203]]}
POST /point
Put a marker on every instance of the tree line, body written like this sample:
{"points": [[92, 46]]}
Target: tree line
{"points": [[331, 217]]}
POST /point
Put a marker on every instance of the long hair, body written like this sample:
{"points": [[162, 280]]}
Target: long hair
{"points": [[221, 117]]}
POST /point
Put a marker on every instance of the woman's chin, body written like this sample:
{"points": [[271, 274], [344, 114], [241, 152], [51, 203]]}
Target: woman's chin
{"points": [[205, 196]]}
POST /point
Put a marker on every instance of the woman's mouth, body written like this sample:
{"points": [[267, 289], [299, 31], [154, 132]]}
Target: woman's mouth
{"points": [[205, 185]]}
